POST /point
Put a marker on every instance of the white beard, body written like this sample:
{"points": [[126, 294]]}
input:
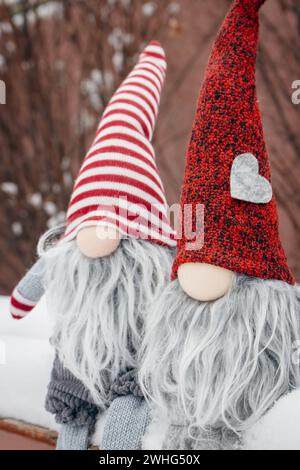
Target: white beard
{"points": [[100, 305], [218, 367]]}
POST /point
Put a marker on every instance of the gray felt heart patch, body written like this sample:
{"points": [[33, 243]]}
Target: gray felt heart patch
{"points": [[246, 183]]}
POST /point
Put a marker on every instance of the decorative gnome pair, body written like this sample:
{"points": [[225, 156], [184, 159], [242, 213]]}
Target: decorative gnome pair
{"points": [[219, 347], [103, 270]]}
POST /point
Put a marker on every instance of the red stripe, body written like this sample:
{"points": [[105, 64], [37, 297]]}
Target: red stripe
{"points": [[131, 216], [159, 75], [124, 227], [127, 138], [144, 87], [139, 95], [138, 106], [160, 70], [155, 54], [123, 125], [113, 194], [15, 317], [121, 151], [127, 113], [122, 164], [116, 123], [15, 303], [117, 179], [138, 75]]}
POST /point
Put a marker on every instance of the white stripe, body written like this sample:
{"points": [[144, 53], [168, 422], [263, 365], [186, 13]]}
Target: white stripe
{"points": [[127, 159], [141, 91], [154, 49], [17, 312], [155, 60], [123, 107], [109, 185], [112, 170], [155, 70], [131, 225], [123, 118], [160, 63], [123, 144], [19, 297], [94, 223], [146, 74], [130, 207], [144, 82], [118, 129], [114, 216], [136, 99]]}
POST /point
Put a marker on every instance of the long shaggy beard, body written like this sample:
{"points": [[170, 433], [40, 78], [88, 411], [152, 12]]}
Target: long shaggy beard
{"points": [[220, 366], [99, 307]]}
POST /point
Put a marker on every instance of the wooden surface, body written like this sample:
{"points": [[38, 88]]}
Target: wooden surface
{"points": [[17, 435], [11, 441]]}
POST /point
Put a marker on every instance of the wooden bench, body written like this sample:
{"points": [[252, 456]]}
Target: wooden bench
{"points": [[19, 435]]}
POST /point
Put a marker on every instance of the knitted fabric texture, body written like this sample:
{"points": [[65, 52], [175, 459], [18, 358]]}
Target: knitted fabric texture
{"points": [[73, 438], [126, 384], [69, 400], [126, 423], [238, 235], [119, 183], [28, 292]]}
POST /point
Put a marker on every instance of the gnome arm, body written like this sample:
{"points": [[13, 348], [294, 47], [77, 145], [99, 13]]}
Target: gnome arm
{"points": [[70, 401], [28, 292]]}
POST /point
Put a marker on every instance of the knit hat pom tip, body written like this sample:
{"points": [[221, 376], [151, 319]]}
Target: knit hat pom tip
{"points": [[253, 5], [154, 51]]}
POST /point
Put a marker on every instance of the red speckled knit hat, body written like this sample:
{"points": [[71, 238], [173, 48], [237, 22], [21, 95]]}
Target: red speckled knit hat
{"points": [[227, 168]]}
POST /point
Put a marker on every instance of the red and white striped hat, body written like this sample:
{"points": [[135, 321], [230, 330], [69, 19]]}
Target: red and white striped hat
{"points": [[119, 183]]}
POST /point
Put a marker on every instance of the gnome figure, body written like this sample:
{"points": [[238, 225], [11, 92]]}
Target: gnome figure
{"points": [[219, 344], [105, 267]]}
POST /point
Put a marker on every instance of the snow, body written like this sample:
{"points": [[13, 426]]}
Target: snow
{"points": [[50, 208], [280, 428], [26, 359], [9, 188], [174, 8], [36, 200], [90, 88], [149, 8], [155, 434], [56, 219], [118, 61], [46, 10], [17, 228], [25, 366]]}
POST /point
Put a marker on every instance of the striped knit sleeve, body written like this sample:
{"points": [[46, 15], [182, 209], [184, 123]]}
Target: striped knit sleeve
{"points": [[28, 292]]}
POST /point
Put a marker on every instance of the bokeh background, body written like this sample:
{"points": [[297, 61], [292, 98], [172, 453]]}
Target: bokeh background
{"points": [[61, 61]]}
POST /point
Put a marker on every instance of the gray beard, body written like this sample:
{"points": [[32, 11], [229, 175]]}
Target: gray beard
{"points": [[218, 367], [100, 306]]}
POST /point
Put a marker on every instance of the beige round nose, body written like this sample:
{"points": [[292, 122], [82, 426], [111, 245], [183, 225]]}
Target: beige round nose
{"points": [[204, 282], [98, 242]]}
